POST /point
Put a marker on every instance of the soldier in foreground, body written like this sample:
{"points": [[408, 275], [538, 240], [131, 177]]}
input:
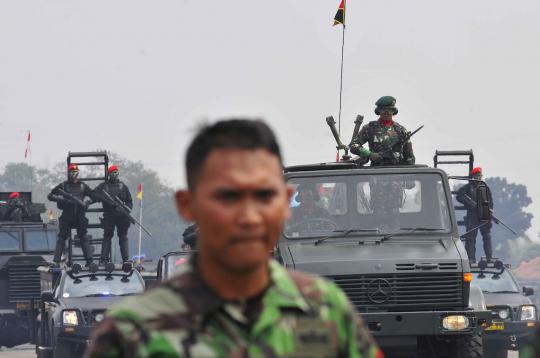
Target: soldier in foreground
{"points": [[467, 195], [112, 217], [232, 299], [70, 198], [387, 139]]}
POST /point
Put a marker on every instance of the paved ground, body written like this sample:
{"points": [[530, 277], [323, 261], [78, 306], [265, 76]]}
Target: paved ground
{"points": [[27, 351]]}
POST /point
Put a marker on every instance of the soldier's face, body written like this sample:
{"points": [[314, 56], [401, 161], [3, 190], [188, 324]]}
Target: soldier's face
{"points": [[113, 176], [73, 175], [240, 202], [386, 113]]}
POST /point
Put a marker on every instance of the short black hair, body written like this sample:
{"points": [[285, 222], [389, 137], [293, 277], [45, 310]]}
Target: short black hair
{"points": [[228, 134]]}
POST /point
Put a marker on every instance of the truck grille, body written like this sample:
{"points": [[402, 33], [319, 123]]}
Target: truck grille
{"points": [[402, 292], [23, 283], [90, 316]]}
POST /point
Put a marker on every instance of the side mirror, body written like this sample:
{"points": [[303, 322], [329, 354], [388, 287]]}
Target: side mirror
{"points": [[48, 296], [528, 291]]}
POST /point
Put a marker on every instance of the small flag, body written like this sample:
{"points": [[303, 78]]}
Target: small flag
{"points": [[139, 191], [337, 156], [27, 150], [340, 15]]}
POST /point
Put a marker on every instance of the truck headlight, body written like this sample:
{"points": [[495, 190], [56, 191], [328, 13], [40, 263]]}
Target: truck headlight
{"points": [[528, 313], [503, 313], [455, 323], [70, 318]]}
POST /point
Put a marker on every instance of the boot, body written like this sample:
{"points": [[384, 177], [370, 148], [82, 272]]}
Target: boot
{"points": [[59, 249], [124, 248], [86, 250], [105, 250]]}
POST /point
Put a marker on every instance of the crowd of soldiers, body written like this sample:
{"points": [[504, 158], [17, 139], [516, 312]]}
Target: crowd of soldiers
{"points": [[74, 197]]}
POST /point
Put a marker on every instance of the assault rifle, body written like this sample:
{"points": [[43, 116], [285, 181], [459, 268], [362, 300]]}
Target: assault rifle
{"points": [[495, 219], [119, 206], [71, 198], [388, 151]]}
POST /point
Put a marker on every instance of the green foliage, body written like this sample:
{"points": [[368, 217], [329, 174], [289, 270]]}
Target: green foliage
{"points": [[159, 212]]}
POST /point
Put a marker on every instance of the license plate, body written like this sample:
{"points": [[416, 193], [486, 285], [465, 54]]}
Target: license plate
{"points": [[496, 326]]}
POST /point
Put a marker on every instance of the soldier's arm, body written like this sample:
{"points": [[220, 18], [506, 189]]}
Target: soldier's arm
{"points": [[358, 142], [357, 342], [460, 196], [53, 196], [490, 197], [129, 199], [408, 153]]}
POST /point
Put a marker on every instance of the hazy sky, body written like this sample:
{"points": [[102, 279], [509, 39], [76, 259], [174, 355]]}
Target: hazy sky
{"points": [[135, 77]]}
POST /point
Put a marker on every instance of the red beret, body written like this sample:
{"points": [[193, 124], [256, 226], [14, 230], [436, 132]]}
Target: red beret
{"points": [[73, 167], [112, 168], [14, 195], [476, 170]]}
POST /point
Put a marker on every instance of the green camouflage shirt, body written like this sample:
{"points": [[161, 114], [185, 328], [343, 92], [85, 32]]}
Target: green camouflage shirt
{"points": [[379, 139], [298, 315]]}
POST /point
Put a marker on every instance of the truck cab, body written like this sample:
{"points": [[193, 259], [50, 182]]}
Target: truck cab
{"points": [[388, 237]]}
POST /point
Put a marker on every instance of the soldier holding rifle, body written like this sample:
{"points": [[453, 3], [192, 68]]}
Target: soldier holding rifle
{"points": [[113, 193], [388, 141], [70, 198]]}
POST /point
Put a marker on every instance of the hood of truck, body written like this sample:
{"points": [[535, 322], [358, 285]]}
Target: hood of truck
{"points": [[91, 303], [506, 299], [397, 255]]}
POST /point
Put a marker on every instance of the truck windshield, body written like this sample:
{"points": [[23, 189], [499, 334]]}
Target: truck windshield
{"points": [[493, 283], [85, 287], [10, 240], [42, 240], [383, 203]]}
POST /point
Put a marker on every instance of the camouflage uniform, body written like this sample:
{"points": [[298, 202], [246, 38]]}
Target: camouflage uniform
{"points": [[296, 316], [378, 137]]}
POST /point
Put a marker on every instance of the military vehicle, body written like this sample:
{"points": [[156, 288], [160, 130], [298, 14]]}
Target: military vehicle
{"points": [[388, 237], [24, 246], [514, 315], [74, 300], [170, 263]]}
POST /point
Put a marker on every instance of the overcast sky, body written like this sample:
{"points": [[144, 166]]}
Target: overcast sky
{"points": [[135, 77]]}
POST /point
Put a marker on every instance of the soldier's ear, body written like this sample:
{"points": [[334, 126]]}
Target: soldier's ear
{"points": [[183, 204], [290, 193]]}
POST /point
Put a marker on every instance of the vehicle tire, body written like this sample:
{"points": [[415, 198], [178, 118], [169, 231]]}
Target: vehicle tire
{"points": [[470, 347], [62, 350]]}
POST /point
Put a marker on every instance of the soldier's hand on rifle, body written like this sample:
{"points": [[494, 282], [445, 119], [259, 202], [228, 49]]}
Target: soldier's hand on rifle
{"points": [[87, 203], [496, 221]]}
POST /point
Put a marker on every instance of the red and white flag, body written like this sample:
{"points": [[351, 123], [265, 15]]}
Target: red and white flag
{"points": [[27, 150]]}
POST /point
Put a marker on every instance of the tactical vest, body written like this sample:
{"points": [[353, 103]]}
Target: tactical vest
{"points": [[75, 189], [118, 189], [373, 130]]}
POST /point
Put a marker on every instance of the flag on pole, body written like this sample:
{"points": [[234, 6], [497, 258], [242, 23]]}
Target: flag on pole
{"points": [[139, 192], [340, 15], [27, 150], [337, 156]]}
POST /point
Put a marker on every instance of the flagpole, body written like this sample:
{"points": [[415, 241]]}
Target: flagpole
{"points": [[341, 76], [140, 229]]}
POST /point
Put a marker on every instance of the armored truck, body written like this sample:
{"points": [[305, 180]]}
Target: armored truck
{"points": [[388, 237], [24, 245]]}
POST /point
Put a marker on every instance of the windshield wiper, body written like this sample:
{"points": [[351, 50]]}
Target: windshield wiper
{"points": [[343, 233], [408, 231], [502, 291]]}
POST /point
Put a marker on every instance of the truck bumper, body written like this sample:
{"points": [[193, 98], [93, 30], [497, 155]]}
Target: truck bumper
{"points": [[73, 334], [411, 324], [512, 336]]}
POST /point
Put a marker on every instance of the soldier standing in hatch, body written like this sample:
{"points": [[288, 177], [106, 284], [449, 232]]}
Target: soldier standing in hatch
{"points": [[17, 209], [73, 212], [467, 195], [112, 217], [380, 134]]}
